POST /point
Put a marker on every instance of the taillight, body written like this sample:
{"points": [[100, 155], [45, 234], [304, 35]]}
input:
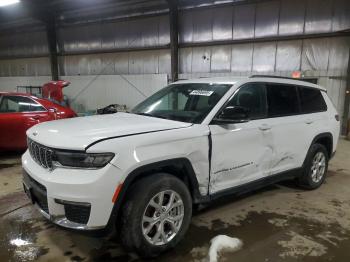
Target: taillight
{"points": [[337, 117]]}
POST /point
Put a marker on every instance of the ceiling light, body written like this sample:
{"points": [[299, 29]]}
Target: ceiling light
{"points": [[8, 2]]}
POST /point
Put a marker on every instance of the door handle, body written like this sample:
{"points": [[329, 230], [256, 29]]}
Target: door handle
{"points": [[37, 117], [309, 121], [264, 127]]}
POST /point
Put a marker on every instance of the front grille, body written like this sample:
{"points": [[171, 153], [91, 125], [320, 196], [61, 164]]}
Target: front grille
{"points": [[41, 154], [77, 213]]}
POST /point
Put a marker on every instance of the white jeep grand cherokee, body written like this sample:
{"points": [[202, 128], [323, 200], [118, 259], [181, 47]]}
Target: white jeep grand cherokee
{"points": [[188, 144]]}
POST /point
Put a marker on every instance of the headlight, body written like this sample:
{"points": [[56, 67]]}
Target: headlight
{"points": [[81, 159]]}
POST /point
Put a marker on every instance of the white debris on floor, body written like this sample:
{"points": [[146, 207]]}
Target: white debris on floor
{"points": [[222, 243]]}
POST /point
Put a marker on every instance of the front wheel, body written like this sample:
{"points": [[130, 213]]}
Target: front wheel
{"points": [[156, 214], [315, 167]]}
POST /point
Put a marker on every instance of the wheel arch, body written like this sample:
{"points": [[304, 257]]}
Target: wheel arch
{"points": [[178, 167], [325, 139]]}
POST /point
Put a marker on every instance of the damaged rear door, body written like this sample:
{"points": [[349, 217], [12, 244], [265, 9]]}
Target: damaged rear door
{"points": [[242, 152], [288, 127]]}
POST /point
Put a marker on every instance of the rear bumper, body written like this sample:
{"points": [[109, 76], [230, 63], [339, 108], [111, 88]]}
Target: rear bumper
{"points": [[71, 198]]}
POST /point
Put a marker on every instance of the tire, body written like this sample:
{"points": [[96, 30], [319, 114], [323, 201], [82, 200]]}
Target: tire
{"points": [[310, 178], [138, 205]]}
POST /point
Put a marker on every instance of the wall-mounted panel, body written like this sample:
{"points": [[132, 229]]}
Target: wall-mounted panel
{"points": [[25, 67], [222, 23], [23, 44], [185, 60], [339, 53], [221, 58], [318, 16], [107, 64], [292, 17], [164, 61], [121, 63], [243, 21], [122, 35], [150, 62], [148, 28], [201, 59], [94, 36], [267, 15], [68, 38], [107, 36], [95, 65], [242, 58], [288, 55], [315, 54], [202, 25], [185, 27], [341, 17], [264, 57], [163, 30]]}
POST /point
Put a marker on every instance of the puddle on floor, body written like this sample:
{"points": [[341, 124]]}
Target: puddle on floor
{"points": [[18, 241], [266, 237]]}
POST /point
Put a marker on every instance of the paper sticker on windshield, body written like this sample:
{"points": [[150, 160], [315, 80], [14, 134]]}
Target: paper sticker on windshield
{"points": [[201, 93]]}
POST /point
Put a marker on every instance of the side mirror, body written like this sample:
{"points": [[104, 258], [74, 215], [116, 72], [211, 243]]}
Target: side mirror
{"points": [[52, 110], [233, 115]]}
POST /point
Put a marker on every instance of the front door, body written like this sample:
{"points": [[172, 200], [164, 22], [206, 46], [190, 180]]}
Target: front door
{"points": [[242, 152], [17, 114]]}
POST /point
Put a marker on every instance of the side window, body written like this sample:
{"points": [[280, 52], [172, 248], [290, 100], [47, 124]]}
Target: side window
{"points": [[311, 100], [253, 97], [282, 100], [13, 104]]}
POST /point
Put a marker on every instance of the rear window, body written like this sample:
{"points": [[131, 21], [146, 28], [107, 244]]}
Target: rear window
{"points": [[311, 100], [282, 100]]}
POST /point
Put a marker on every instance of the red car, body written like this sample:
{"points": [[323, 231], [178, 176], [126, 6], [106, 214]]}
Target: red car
{"points": [[18, 112]]}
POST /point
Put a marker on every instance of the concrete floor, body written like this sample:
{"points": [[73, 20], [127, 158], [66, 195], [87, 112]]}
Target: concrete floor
{"points": [[278, 223]]}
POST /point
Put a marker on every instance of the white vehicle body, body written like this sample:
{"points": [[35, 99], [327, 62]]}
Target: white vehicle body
{"points": [[222, 158]]}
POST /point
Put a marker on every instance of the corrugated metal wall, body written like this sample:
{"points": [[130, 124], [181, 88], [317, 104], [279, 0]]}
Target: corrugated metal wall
{"points": [[244, 21], [320, 55], [270, 18], [106, 48], [136, 62], [140, 33]]}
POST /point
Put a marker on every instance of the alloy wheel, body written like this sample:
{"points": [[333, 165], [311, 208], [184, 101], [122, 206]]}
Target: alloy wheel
{"points": [[162, 218], [318, 167]]}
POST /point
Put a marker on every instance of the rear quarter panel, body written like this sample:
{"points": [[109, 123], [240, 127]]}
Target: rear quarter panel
{"points": [[332, 124]]}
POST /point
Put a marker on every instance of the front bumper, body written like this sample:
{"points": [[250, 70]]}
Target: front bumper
{"points": [[72, 198]]}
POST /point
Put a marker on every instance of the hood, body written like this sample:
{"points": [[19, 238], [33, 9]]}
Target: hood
{"points": [[78, 133]]}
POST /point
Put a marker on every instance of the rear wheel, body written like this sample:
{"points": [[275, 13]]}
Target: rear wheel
{"points": [[156, 214], [315, 167]]}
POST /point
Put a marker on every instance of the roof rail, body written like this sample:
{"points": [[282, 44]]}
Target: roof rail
{"points": [[272, 76]]}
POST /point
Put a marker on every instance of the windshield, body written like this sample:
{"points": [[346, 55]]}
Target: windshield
{"points": [[183, 102]]}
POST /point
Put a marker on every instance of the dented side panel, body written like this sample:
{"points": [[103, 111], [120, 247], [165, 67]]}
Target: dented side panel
{"points": [[240, 153], [137, 151]]}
